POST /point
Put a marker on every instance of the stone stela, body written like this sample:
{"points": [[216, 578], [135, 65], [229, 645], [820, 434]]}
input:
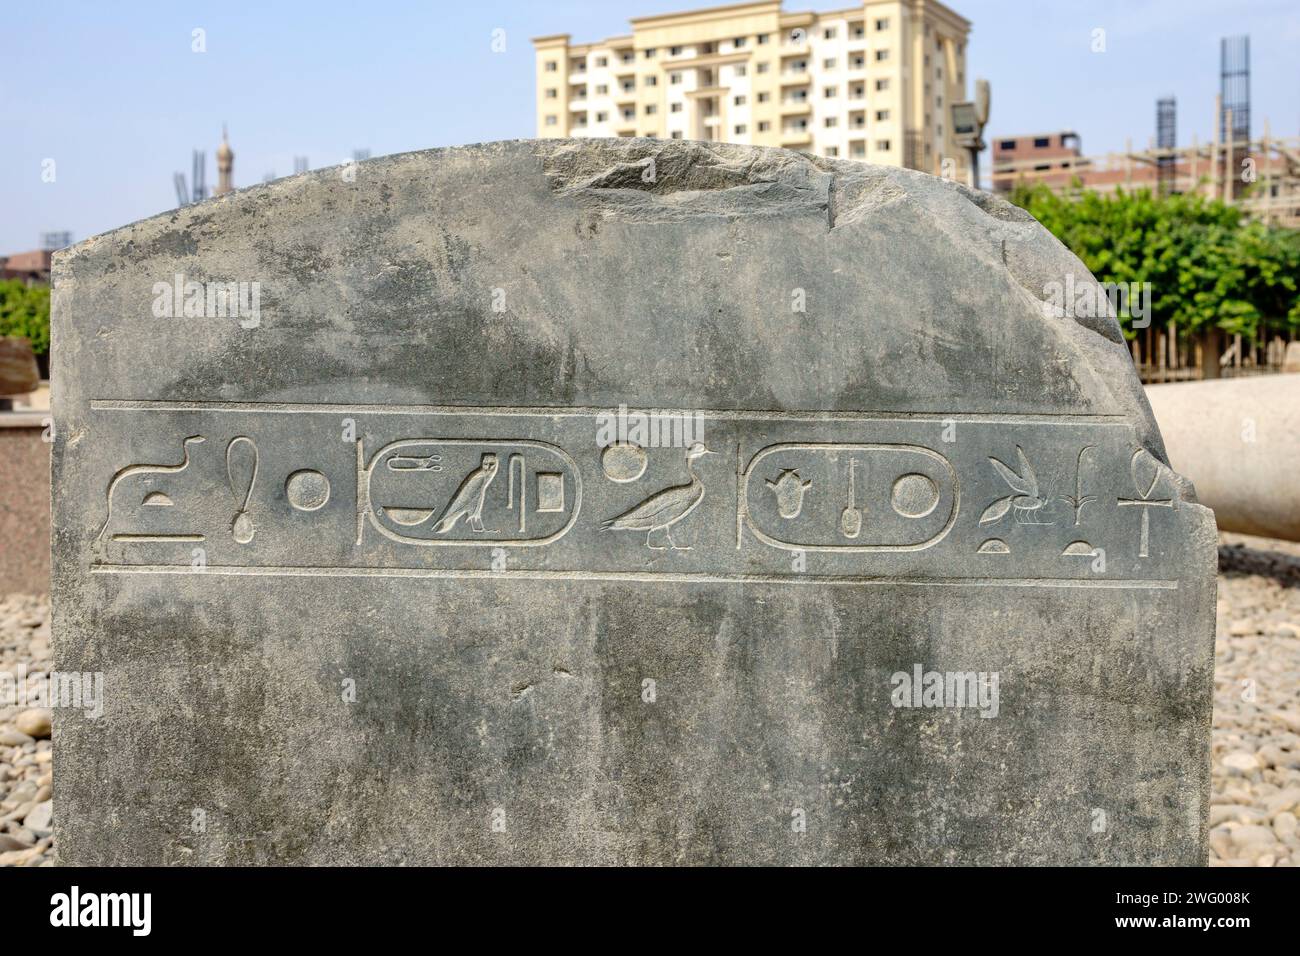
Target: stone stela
{"points": [[379, 563]]}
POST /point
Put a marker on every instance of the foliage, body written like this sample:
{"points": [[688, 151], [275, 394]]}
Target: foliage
{"points": [[1206, 264], [25, 312]]}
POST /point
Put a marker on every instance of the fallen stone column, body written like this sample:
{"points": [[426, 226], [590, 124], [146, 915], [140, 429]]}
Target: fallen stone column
{"points": [[1238, 441]]}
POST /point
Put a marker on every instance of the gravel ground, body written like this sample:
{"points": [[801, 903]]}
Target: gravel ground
{"points": [[1256, 772], [26, 778], [1255, 777]]}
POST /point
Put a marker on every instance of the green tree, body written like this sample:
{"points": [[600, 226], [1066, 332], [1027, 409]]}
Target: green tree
{"points": [[1210, 270], [25, 312]]}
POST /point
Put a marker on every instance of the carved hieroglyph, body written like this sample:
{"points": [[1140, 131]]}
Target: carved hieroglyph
{"points": [[391, 503]]}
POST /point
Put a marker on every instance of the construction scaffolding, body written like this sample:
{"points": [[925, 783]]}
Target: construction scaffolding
{"points": [[1213, 170], [1166, 140], [1234, 97]]}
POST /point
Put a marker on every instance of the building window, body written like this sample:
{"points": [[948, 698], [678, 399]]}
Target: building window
{"points": [[882, 55], [764, 126], [739, 70], [552, 93], [629, 114], [675, 107], [551, 66], [674, 77], [882, 145], [602, 117], [602, 61], [858, 150], [828, 63], [650, 81], [857, 61], [882, 115], [832, 121], [629, 56], [739, 100], [764, 97], [1042, 142], [741, 129], [651, 109], [882, 25], [831, 92], [832, 151], [828, 33], [858, 31], [738, 43], [764, 67], [552, 120], [674, 51], [677, 134], [1007, 144], [764, 38], [602, 89], [882, 85], [578, 66], [649, 53]]}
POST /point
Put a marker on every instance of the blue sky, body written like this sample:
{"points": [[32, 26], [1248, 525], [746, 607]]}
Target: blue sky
{"points": [[113, 94]]}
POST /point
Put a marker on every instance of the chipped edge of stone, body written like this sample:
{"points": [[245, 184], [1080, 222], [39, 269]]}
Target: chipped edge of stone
{"points": [[694, 179]]}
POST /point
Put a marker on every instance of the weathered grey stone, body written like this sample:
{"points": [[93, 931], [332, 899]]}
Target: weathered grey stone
{"points": [[374, 587]]}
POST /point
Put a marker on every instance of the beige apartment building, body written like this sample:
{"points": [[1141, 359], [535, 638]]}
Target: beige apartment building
{"points": [[872, 82]]}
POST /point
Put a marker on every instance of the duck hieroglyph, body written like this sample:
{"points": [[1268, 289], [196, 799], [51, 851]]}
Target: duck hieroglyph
{"points": [[665, 508]]}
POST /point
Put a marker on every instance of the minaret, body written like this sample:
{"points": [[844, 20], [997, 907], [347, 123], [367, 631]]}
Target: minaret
{"points": [[225, 165]]}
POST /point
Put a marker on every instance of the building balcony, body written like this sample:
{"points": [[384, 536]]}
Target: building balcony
{"points": [[794, 107], [795, 140]]}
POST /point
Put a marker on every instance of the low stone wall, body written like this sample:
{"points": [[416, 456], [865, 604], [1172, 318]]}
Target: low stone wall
{"points": [[24, 504]]}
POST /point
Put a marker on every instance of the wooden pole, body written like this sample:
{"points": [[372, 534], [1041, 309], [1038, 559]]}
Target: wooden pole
{"points": [[1228, 157], [1215, 190], [1196, 155]]}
